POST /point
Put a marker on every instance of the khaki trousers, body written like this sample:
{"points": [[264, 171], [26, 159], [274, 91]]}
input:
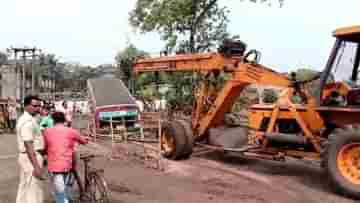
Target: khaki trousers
{"points": [[30, 188]]}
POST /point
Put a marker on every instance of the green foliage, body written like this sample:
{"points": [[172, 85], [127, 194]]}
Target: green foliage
{"points": [[144, 79], [147, 93], [247, 97], [187, 25], [79, 74], [147, 86], [269, 96], [175, 88], [67, 76], [48, 59], [125, 59], [48, 68], [305, 74], [191, 26], [181, 92]]}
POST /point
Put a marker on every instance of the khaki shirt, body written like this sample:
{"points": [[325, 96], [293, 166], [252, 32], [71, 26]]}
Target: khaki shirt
{"points": [[27, 129]]}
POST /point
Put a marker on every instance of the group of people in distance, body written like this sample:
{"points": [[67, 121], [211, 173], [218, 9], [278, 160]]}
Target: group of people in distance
{"points": [[52, 138]]}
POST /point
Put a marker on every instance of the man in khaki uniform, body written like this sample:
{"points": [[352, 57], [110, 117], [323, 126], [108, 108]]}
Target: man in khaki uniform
{"points": [[30, 145]]}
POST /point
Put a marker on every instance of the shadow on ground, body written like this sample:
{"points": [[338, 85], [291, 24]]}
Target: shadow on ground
{"points": [[307, 173]]}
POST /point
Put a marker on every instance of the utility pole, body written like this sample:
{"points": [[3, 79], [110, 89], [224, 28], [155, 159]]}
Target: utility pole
{"points": [[32, 73], [23, 78], [21, 72]]}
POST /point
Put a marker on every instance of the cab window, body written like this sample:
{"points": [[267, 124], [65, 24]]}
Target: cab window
{"points": [[345, 61]]}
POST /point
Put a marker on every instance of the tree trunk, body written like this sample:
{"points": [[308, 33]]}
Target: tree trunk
{"points": [[192, 40], [197, 19], [193, 27]]}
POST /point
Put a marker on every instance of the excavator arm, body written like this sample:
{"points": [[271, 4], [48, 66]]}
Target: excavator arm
{"points": [[185, 62], [242, 75], [245, 74]]}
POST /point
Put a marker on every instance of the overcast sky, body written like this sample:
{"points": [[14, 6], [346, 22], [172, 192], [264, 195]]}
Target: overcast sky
{"points": [[92, 31]]}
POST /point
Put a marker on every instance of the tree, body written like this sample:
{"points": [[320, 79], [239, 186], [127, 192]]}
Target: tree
{"points": [[307, 74], [189, 25], [303, 74], [47, 69], [78, 75], [269, 96], [125, 59], [75, 75], [192, 25]]}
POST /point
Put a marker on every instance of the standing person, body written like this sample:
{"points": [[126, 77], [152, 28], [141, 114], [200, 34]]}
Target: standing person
{"points": [[68, 113], [3, 119], [12, 115], [52, 108], [60, 143], [30, 145], [46, 120]]}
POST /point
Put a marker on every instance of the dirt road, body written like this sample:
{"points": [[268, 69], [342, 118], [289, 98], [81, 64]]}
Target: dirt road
{"points": [[205, 179]]}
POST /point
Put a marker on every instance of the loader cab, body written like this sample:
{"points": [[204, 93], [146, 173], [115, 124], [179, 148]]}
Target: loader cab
{"points": [[340, 81]]}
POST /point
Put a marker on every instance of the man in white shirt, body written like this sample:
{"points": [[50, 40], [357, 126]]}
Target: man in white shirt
{"points": [[30, 146]]}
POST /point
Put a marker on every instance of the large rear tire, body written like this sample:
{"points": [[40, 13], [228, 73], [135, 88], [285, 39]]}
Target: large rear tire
{"points": [[341, 161], [188, 133], [172, 140]]}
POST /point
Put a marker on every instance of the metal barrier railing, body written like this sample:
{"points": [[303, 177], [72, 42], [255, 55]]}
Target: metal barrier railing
{"points": [[119, 131]]}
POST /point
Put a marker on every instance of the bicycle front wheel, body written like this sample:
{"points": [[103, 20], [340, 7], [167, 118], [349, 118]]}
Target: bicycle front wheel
{"points": [[98, 188]]}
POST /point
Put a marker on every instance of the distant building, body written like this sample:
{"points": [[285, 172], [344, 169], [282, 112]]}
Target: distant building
{"points": [[10, 85]]}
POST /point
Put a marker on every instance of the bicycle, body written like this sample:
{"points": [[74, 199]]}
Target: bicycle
{"points": [[94, 186]]}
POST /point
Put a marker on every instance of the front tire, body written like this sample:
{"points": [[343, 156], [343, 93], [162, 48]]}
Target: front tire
{"points": [[189, 136], [172, 140], [342, 163]]}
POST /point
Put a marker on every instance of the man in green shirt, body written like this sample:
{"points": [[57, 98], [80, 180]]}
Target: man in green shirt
{"points": [[46, 120]]}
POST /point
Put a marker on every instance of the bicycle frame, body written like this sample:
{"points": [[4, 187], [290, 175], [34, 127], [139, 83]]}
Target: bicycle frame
{"points": [[89, 175]]}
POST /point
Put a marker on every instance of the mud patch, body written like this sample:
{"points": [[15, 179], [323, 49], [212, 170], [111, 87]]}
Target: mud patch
{"points": [[249, 197], [216, 192], [120, 188], [179, 168], [218, 183], [216, 187], [226, 169]]}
